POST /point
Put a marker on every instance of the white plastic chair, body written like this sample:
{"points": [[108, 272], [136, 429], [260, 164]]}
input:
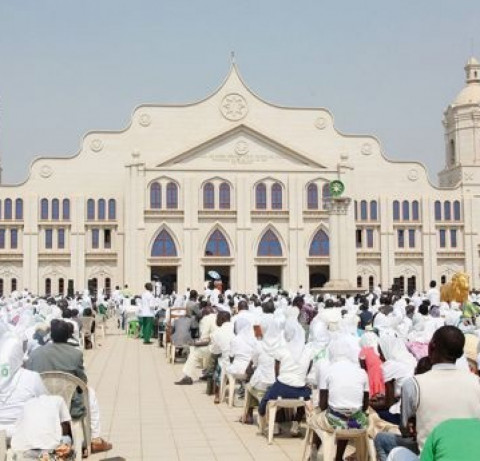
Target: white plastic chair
{"points": [[65, 385], [3, 445], [86, 331], [100, 324], [271, 414]]}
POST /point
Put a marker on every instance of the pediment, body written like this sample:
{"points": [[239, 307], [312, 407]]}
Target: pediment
{"points": [[241, 147]]}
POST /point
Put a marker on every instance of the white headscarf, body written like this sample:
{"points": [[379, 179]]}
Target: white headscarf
{"points": [[319, 335], [11, 360], [244, 330], [294, 336], [342, 347], [394, 349]]}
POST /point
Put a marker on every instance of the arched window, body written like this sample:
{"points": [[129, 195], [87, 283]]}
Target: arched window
{"points": [[447, 211], [363, 210], [155, 196], [172, 196], [48, 287], [217, 245], [370, 283], [276, 196], [396, 210], [101, 209], [320, 245], [312, 197], [415, 210], [66, 209], [373, 210], [19, 209], [55, 209], [452, 156], [406, 210], [8, 208], [224, 195], [438, 211], [325, 195], [456, 210], [14, 284], [112, 209], [164, 246], [44, 208], [90, 208], [108, 286], [355, 209], [261, 196], [269, 245], [61, 286], [1, 287], [208, 196], [359, 281]]}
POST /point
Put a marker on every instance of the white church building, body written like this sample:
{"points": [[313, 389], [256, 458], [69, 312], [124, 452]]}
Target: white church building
{"points": [[238, 185]]}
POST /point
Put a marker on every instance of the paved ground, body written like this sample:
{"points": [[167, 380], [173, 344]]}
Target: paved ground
{"points": [[148, 418]]}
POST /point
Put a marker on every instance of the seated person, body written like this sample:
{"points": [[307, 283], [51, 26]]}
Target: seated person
{"points": [[242, 347], [181, 335], [88, 326]]}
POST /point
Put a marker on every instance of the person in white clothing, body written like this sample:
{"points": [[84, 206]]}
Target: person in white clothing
{"points": [[146, 314], [242, 348], [433, 295]]}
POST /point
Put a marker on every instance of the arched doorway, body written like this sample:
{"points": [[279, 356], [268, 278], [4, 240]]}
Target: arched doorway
{"points": [[162, 270]]}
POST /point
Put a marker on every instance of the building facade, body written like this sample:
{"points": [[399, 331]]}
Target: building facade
{"points": [[241, 186]]}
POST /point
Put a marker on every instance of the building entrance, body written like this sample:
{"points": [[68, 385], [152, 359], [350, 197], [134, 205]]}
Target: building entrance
{"points": [[223, 271], [167, 275], [269, 276], [319, 276]]}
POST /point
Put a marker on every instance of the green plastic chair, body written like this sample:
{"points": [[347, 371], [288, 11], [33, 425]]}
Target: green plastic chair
{"points": [[133, 329]]}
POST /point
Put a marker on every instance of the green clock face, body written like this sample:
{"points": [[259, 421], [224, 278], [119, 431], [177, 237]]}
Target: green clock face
{"points": [[336, 188]]}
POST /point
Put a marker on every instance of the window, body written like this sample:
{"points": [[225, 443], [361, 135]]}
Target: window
{"points": [[8, 209], [55, 209], [415, 210], [447, 211], [1, 287], [95, 238], [172, 196], [155, 196], [164, 246], [112, 209], [13, 239], [261, 196], [48, 239], [411, 284], [453, 238], [70, 288], [406, 210], [19, 209], [443, 279], [456, 210], [90, 209], [14, 284], [48, 287], [101, 209], [269, 245], [370, 283], [411, 238], [66, 209], [396, 210], [320, 245], [358, 238], [442, 235], [369, 238], [326, 195], [217, 245], [107, 239], [363, 210], [452, 156], [373, 210], [401, 238], [208, 196], [276, 196], [359, 282], [355, 209], [108, 286], [438, 210], [61, 238], [0, 209], [224, 194], [61, 286], [312, 197], [2, 238]]}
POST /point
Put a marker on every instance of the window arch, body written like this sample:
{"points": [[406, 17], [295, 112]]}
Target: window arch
{"points": [[66, 209], [320, 245], [261, 196], [112, 209], [415, 210], [373, 210], [172, 196], [217, 245], [19, 209], [447, 211], [269, 245], [44, 208], [163, 245], [363, 210], [438, 210], [90, 208], [224, 195], [155, 196], [406, 210], [208, 196], [8, 209], [325, 194], [55, 209], [396, 210], [312, 196], [456, 210], [276, 196], [101, 209]]}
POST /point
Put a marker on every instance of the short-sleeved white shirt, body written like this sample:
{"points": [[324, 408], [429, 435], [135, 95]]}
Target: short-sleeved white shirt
{"points": [[293, 372]]}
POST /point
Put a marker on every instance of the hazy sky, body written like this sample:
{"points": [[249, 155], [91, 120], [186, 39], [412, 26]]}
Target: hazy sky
{"points": [[387, 68]]}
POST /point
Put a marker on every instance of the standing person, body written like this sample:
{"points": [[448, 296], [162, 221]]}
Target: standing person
{"points": [[147, 314], [433, 294], [193, 310]]}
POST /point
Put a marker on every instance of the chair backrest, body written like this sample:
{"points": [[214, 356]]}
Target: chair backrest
{"points": [[87, 324]]}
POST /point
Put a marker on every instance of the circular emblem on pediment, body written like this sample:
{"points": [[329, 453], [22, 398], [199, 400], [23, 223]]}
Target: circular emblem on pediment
{"points": [[321, 123], [145, 120], [367, 148], [46, 171], [241, 148], [96, 145], [234, 107], [413, 174]]}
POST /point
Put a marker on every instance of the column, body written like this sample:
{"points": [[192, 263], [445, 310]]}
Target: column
{"points": [[29, 245]]}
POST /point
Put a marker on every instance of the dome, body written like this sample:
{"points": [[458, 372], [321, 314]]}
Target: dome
{"points": [[469, 95]]}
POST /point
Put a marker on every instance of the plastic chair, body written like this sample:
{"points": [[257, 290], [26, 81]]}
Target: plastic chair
{"points": [[133, 328], [272, 407], [175, 313], [100, 324], [65, 385], [87, 323], [230, 381]]}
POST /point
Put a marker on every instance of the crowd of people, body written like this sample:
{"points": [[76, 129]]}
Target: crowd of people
{"points": [[402, 368]]}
